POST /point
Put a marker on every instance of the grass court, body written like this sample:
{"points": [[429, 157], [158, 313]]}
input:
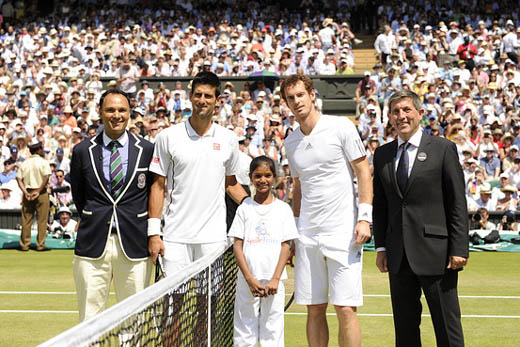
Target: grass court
{"points": [[37, 301]]}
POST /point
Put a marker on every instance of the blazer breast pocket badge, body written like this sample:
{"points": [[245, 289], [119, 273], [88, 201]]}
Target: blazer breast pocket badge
{"points": [[141, 181]]}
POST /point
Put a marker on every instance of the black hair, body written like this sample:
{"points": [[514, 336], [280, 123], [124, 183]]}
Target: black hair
{"points": [[61, 170], [206, 78], [255, 163], [112, 91]]}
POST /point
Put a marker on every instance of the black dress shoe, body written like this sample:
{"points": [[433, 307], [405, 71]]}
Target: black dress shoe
{"points": [[44, 249], [22, 249]]}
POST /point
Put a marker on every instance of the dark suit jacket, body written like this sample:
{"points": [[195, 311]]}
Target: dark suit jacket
{"points": [[430, 219], [96, 205]]}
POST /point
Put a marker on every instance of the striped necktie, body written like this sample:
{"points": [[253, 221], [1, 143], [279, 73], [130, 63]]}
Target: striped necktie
{"points": [[402, 168], [116, 170]]}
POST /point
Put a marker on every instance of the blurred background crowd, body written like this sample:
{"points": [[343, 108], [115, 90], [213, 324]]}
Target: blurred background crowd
{"points": [[460, 57]]}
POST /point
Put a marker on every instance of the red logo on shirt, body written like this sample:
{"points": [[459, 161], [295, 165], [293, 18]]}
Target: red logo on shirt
{"points": [[156, 160], [216, 146]]}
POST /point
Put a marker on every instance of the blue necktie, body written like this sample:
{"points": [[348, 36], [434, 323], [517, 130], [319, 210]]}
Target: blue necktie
{"points": [[402, 168]]}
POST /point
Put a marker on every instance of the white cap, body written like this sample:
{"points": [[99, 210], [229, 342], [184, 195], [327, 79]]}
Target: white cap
{"points": [[64, 209]]}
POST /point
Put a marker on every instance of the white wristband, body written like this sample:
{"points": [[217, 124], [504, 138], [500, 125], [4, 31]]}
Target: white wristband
{"points": [[154, 226], [365, 212]]}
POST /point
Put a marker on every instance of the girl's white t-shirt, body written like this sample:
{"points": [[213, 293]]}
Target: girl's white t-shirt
{"points": [[263, 229]]}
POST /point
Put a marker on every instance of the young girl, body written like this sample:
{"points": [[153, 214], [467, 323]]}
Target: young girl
{"points": [[263, 228]]}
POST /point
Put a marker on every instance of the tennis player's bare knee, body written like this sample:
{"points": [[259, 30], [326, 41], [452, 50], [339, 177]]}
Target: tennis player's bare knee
{"points": [[349, 332], [317, 327], [346, 312], [316, 311]]}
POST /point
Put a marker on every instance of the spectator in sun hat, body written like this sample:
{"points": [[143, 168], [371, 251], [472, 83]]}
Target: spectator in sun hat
{"points": [[508, 202], [365, 88], [491, 163], [506, 140], [63, 227], [372, 127], [496, 192], [509, 160], [10, 196]]}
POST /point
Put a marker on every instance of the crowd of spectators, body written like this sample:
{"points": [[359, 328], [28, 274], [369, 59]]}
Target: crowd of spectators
{"points": [[466, 73], [463, 65]]}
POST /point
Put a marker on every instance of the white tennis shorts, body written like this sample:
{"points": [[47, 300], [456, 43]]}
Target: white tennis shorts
{"points": [[328, 262], [178, 256]]}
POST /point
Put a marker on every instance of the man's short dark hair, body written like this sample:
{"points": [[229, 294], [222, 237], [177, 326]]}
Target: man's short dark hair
{"points": [[206, 78], [292, 80], [112, 91]]}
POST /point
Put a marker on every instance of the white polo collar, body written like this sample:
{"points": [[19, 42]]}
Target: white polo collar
{"points": [[193, 133]]}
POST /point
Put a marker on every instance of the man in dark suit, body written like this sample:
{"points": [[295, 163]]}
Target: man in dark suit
{"points": [[420, 224], [110, 187]]}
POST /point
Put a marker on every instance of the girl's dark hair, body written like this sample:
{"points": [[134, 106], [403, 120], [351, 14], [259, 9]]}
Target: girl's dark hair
{"points": [[262, 160]]}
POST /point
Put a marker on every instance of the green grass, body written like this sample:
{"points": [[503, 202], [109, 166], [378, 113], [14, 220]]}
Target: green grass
{"points": [[488, 274]]}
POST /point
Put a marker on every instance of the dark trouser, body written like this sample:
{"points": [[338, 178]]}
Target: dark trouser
{"points": [[231, 207], [40, 207], [441, 296], [384, 56]]}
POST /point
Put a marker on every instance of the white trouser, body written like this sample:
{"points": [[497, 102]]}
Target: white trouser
{"points": [[258, 319], [93, 276]]}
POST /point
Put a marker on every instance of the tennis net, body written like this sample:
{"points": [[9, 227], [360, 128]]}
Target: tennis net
{"points": [[191, 308]]}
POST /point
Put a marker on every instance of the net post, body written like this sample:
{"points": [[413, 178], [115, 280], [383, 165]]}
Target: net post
{"points": [[209, 305]]}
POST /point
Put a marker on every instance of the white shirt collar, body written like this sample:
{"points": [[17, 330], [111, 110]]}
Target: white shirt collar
{"points": [[415, 140], [123, 139], [193, 133]]}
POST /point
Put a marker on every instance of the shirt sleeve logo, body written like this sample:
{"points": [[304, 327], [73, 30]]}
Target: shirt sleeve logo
{"points": [[156, 160], [216, 146]]}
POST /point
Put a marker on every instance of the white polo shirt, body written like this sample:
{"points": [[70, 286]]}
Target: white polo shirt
{"points": [[195, 168], [321, 161]]}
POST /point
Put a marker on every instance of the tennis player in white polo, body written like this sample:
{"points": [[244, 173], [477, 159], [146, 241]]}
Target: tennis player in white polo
{"points": [[324, 154], [198, 159]]}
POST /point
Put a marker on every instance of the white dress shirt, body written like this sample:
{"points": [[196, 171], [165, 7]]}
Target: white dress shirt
{"points": [[414, 142]]}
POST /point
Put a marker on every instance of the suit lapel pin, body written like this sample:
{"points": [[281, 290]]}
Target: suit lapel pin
{"points": [[422, 156]]}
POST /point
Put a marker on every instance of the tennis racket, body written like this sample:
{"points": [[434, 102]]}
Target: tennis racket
{"points": [[159, 310], [290, 298], [159, 269]]}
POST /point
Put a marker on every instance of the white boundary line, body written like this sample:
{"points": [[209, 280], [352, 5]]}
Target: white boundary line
{"points": [[288, 314], [460, 296], [34, 311], [366, 295], [391, 315]]}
